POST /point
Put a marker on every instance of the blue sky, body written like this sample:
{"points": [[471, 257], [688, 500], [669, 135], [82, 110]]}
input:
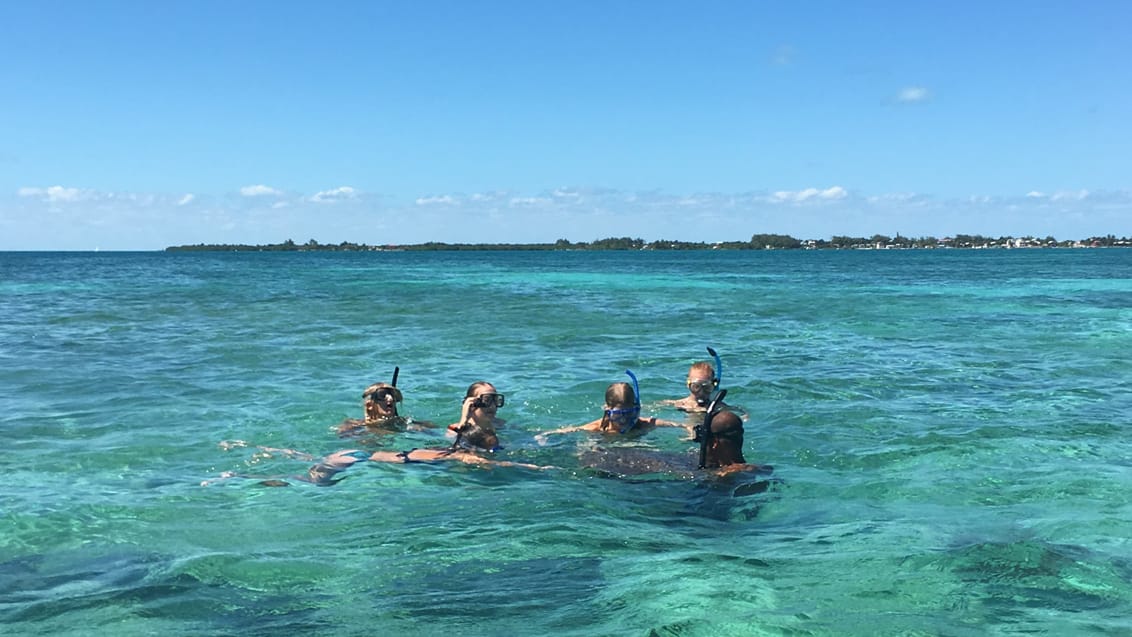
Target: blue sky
{"points": [[139, 125]]}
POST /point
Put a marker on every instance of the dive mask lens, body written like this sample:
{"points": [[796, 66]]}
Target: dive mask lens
{"points": [[626, 419], [382, 395], [700, 384], [490, 400], [624, 415]]}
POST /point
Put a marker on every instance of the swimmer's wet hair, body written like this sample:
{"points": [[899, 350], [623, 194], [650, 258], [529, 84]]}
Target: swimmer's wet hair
{"points": [[376, 386], [620, 394], [476, 436]]}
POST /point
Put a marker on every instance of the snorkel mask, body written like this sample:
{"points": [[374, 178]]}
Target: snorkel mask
{"points": [[627, 418], [378, 392], [718, 376], [489, 400]]}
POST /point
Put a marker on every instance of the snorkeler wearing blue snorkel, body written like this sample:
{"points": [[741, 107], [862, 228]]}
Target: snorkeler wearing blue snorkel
{"points": [[621, 414], [702, 383]]}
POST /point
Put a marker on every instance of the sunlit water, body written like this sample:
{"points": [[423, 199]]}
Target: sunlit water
{"points": [[950, 432]]}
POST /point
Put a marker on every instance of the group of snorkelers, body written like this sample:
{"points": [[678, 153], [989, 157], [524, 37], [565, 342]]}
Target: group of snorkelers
{"points": [[475, 438]]}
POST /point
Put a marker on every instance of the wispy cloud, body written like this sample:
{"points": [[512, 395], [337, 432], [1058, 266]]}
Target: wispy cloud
{"points": [[259, 190], [444, 200], [56, 194], [529, 201], [809, 194], [912, 95], [60, 217], [1070, 195], [342, 193]]}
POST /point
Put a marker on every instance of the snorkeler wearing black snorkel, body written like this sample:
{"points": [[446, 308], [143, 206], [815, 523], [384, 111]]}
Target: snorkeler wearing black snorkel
{"points": [[475, 441], [621, 414], [379, 402]]}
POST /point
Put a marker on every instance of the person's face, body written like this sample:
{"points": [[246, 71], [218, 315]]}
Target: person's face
{"points": [[381, 403], [723, 452], [623, 415], [700, 386], [486, 400]]}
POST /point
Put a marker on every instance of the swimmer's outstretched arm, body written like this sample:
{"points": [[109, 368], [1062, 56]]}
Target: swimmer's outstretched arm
{"points": [[589, 426], [433, 455], [657, 422]]}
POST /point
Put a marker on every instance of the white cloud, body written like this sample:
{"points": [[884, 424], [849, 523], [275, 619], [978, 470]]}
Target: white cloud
{"points": [[259, 190], [565, 193], [445, 200], [1069, 195], [55, 194], [488, 196], [912, 94], [337, 194], [528, 201], [798, 196], [38, 218]]}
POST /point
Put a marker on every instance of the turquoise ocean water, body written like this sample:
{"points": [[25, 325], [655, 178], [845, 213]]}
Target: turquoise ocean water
{"points": [[950, 432]]}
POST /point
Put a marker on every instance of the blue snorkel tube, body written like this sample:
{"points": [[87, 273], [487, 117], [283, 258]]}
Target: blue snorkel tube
{"points": [[718, 367], [636, 402]]}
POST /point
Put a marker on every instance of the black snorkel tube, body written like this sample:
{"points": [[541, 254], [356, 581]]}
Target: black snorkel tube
{"points": [[397, 370], [703, 432]]}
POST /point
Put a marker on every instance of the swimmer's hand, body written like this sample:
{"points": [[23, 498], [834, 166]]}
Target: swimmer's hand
{"points": [[466, 408]]}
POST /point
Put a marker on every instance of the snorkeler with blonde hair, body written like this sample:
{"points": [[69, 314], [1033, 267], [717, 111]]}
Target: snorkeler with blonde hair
{"points": [[702, 383], [379, 405], [474, 445], [475, 435]]}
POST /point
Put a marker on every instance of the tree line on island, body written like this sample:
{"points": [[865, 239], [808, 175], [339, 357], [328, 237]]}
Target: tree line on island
{"points": [[757, 242]]}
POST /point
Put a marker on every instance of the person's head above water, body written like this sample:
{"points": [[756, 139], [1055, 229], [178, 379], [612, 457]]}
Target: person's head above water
{"points": [[726, 440], [380, 402], [482, 401], [472, 435], [622, 407], [701, 382]]}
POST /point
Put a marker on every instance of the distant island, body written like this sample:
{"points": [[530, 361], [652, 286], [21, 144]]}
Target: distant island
{"points": [[757, 242]]}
